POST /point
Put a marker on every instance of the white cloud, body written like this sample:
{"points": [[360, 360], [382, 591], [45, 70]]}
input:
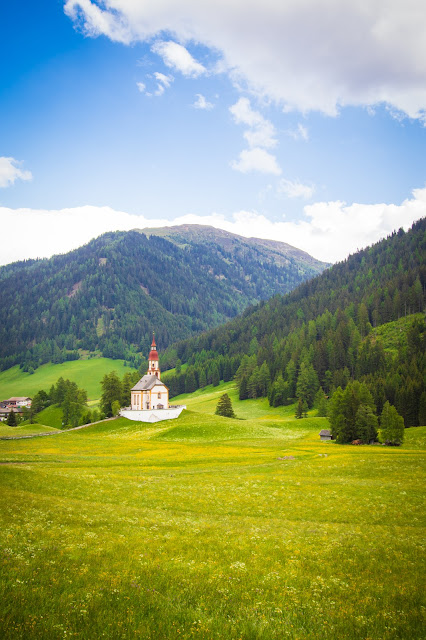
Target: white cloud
{"points": [[141, 87], [299, 133], [177, 57], [10, 172], [329, 231], [260, 136], [311, 55], [261, 132], [295, 189], [202, 103], [256, 159], [163, 82]]}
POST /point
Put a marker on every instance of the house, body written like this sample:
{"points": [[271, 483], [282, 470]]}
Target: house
{"points": [[18, 401], [150, 396], [325, 434], [6, 411]]}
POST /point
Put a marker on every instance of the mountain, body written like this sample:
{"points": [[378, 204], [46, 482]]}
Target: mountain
{"points": [[329, 328], [109, 295], [222, 243]]}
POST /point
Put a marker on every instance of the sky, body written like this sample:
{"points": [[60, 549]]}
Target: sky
{"points": [[302, 121]]}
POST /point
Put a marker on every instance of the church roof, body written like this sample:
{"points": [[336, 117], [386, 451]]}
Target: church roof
{"points": [[147, 382]]}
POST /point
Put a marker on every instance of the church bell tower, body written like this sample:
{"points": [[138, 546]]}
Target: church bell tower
{"points": [[153, 365]]}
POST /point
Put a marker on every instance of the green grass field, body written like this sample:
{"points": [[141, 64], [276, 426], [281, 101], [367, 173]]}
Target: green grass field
{"points": [[212, 528], [24, 430], [86, 373]]}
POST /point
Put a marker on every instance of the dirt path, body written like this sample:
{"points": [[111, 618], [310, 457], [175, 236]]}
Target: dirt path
{"points": [[55, 433]]}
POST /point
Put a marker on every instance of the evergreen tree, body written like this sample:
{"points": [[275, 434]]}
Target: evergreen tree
{"points": [[321, 403], [278, 393], [40, 401], [243, 393], [224, 407], [215, 375], [366, 424], [264, 380], [254, 384], [227, 370], [202, 379], [11, 419], [115, 408], [299, 409], [111, 390], [307, 383], [129, 380], [391, 425], [190, 381]]}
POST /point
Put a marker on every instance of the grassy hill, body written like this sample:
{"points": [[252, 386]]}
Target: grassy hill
{"points": [[24, 430], [212, 528], [86, 373]]}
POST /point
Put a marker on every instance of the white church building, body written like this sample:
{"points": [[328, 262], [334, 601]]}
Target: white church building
{"points": [[150, 396]]}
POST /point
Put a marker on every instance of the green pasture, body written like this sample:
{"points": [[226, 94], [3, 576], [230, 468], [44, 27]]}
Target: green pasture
{"points": [[205, 401], [86, 373], [24, 430], [208, 527]]}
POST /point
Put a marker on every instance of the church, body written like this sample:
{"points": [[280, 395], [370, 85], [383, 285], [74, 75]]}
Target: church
{"points": [[150, 397], [150, 392]]}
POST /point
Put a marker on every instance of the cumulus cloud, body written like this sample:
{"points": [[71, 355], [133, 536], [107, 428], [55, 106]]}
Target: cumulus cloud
{"points": [[256, 159], [311, 55], [177, 57], [10, 171], [141, 87], [202, 103], [295, 189], [329, 231]]}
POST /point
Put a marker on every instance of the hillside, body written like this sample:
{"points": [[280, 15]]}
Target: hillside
{"points": [[86, 373], [109, 295], [329, 329]]}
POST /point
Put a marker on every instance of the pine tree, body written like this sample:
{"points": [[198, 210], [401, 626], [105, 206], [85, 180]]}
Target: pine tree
{"points": [[299, 409], [243, 394], [190, 381], [391, 425], [224, 407], [215, 375], [11, 419], [307, 383], [366, 424], [202, 379], [111, 390]]}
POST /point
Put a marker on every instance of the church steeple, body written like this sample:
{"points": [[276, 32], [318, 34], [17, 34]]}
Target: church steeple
{"points": [[153, 364]]}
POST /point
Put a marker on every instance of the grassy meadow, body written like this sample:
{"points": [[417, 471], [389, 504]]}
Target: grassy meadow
{"points": [[86, 373], [207, 527]]}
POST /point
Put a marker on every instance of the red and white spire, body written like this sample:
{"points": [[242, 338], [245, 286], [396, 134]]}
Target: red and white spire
{"points": [[153, 364]]}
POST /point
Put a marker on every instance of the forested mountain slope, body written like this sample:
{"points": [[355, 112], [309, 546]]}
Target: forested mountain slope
{"points": [[110, 294], [325, 333]]}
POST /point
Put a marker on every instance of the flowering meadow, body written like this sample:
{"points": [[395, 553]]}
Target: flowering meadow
{"points": [[209, 527]]}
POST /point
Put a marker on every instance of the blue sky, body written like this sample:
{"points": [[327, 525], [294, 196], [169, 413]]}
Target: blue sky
{"points": [[302, 126]]}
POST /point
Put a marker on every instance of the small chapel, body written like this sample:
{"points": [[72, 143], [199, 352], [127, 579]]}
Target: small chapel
{"points": [[150, 393]]}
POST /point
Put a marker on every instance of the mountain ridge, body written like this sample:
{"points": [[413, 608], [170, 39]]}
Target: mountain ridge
{"points": [[108, 295]]}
